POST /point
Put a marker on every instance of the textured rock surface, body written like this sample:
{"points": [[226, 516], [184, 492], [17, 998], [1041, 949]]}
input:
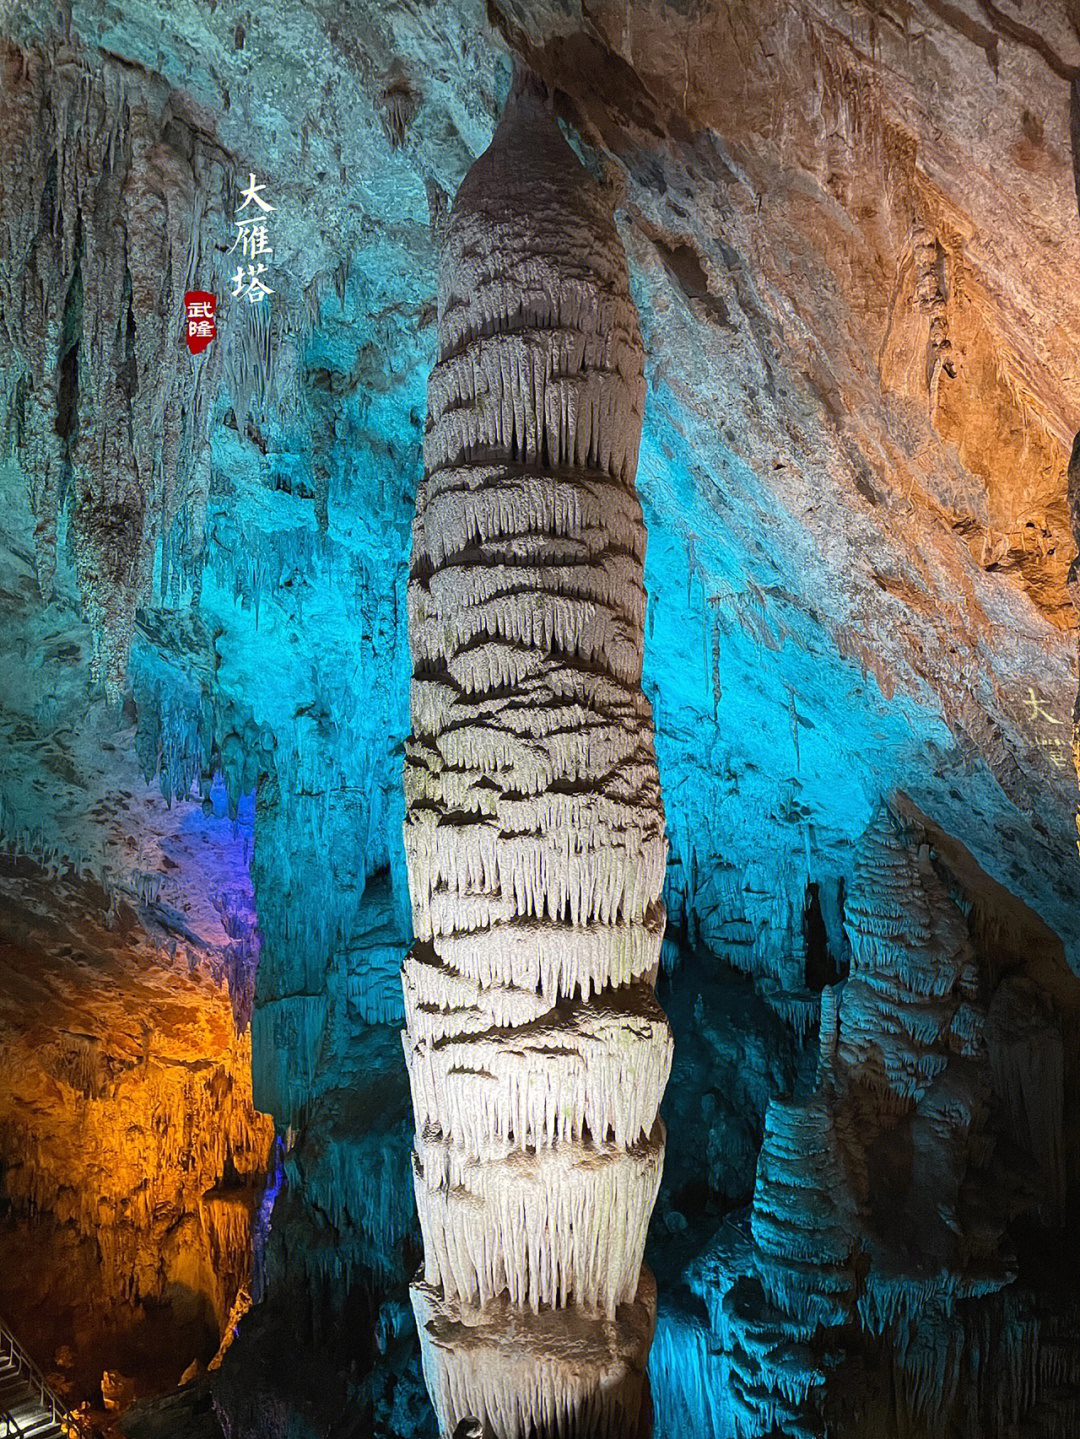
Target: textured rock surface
{"points": [[795, 222], [878, 1203], [105, 188], [133, 1157], [852, 236], [534, 830]]}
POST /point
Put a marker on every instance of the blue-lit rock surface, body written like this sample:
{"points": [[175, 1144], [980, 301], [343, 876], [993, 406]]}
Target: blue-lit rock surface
{"points": [[853, 242]]}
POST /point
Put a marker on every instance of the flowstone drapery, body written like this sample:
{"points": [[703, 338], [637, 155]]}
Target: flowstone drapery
{"points": [[534, 834], [111, 195]]}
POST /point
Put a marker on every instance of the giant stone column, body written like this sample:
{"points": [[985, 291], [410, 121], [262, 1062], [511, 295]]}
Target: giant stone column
{"points": [[534, 834]]}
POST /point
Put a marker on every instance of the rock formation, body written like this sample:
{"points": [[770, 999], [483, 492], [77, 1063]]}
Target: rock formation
{"points": [[534, 835], [852, 237], [106, 197], [133, 1158], [1073, 491], [872, 1204]]}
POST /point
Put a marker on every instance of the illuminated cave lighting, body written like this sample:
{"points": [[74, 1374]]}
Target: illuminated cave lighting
{"points": [[853, 250]]}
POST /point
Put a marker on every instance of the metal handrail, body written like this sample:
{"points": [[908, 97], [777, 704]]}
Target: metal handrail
{"points": [[50, 1400]]}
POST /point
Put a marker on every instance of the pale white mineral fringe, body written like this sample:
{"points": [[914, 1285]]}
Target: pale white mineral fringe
{"points": [[555, 959], [534, 833], [565, 1222], [590, 1069], [516, 513], [576, 1376]]}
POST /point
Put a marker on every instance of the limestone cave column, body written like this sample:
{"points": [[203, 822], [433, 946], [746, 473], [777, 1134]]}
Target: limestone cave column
{"points": [[534, 830]]}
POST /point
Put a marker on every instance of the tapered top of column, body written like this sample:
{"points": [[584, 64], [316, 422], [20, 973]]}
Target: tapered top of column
{"points": [[529, 172], [531, 244]]}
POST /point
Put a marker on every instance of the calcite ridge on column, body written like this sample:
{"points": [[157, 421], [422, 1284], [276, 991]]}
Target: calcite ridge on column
{"points": [[534, 832]]}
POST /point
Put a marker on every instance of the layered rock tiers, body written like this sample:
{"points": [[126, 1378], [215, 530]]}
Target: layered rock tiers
{"points": [[886, 1160], [534, 833]]}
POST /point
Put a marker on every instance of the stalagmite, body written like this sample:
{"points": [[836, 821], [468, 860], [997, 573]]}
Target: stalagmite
{"points": [[534, 834], [888, 1149]]}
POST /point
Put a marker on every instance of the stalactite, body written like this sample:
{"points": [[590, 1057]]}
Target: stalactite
{"points": [[146, 1177], [931, 298], [534, 835], [103, 186]]}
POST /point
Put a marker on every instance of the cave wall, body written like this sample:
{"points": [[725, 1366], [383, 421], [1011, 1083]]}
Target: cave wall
{"points": [[133, 1158], [858, 314]]}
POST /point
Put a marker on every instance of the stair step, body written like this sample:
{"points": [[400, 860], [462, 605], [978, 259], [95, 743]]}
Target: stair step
{"points": [[16, 1394], [25, 1400], [23, 1409], [34, 1425], [23, 1417]]}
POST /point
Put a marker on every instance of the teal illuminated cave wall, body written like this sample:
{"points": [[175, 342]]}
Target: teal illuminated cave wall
{"points": [[814, 647]]}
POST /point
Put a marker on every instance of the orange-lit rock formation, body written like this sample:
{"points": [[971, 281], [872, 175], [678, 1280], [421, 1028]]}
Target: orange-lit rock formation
{"points": [[132, 1155]]}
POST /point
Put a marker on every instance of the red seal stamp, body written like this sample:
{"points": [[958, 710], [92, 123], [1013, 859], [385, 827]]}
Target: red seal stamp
{"points": [[200, 328]]}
